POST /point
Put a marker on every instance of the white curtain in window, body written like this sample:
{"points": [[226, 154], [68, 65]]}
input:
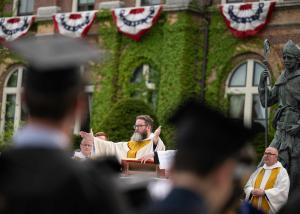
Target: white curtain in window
{"points": [[26, 6], [237, 103]]}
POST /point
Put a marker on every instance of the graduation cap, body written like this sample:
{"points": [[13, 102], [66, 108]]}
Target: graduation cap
{"points": [[205, 137], [53, 61]]}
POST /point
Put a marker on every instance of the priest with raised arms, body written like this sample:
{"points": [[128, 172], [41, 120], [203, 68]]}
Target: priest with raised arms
{"points": [[268, 187], [142, 141]]}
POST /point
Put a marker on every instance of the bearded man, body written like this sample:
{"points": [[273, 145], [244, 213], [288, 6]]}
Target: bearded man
{"points": [[142, 141], [268, 187]]}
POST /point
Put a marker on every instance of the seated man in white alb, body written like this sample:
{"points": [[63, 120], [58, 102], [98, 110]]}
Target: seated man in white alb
{"points": [[85, 150], [268, 187], [142, 142]]}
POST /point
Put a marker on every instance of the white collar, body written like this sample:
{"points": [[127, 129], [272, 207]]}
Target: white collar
{"points": [[276, 165], [80, 155], [34, 135]]}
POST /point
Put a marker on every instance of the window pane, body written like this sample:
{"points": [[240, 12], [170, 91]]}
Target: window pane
{"points": [[86, 1], [84, 5], [236, 108], [234, 1], [146, 82], [24, 73], [13, 79], [153, 75], [258, 69], [239, 76], [24, 115], [150, 2], [10, 111], [138, 75], [26, 6], [258, 112]]}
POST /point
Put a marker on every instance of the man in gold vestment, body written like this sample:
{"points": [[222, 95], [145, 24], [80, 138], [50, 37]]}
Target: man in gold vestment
{"points": [[268, 187]]}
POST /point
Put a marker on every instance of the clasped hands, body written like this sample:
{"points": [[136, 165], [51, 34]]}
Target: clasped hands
{"points": [[258, 192]]}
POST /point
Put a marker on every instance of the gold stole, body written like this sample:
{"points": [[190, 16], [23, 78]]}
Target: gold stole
{"points": [[270, 184], [135, 146]]}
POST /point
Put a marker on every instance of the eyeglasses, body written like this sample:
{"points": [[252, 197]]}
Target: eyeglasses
{"points": [[267, 153], [138, 126], [87, 145]]}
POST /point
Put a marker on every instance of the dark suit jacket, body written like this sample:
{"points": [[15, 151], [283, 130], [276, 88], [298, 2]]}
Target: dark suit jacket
{"points": [[179, 201], [40, 180]]}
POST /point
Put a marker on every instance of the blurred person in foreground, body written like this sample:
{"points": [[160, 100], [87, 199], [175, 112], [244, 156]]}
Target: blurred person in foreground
{"points": [[268, 187], [205, 162], [36, 173], [142, 141]]}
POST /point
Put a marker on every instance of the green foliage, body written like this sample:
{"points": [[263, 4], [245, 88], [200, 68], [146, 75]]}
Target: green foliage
{"points": [[119, 121], [173, 49], [4, 53], [7, 135], [4, 13]]}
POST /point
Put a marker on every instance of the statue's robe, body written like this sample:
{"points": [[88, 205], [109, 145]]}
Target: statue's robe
{"points": [[274, 180], [124, 150]]}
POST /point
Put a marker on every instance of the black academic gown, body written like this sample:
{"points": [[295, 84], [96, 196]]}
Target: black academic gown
{"points": [[46, 180], [179, 201]]}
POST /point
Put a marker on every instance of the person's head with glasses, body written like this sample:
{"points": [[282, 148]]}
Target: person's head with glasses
{"points": [[270, 156], [142, 127], [86, 147]]}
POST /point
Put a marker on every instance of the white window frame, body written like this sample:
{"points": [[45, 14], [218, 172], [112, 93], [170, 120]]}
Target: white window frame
{"points": [[75, 4], [248, 90], [243, 1], [16, 91], [138, 3], [15, 7]]}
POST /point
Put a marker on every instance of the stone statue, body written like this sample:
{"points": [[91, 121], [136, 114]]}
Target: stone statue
{"points": [[286, 93]]}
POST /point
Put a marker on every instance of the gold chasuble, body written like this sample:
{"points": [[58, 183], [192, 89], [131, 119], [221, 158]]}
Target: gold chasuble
{"points": [[135, 146], [270, 184]]}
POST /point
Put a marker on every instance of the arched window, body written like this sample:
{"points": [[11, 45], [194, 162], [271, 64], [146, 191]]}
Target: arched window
{"points": [[242, 94], [12, 113], [145, 80]]}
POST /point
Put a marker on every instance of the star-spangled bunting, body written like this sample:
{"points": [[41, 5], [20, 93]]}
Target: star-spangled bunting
{"points": [[248, 19], [135, 22], [14, 27], [74, 24]]}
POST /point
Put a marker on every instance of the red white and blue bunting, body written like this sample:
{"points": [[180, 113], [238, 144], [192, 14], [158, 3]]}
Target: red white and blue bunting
{"points": [[74, 24], [245, 20], [14, 27], [135, 22]]}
